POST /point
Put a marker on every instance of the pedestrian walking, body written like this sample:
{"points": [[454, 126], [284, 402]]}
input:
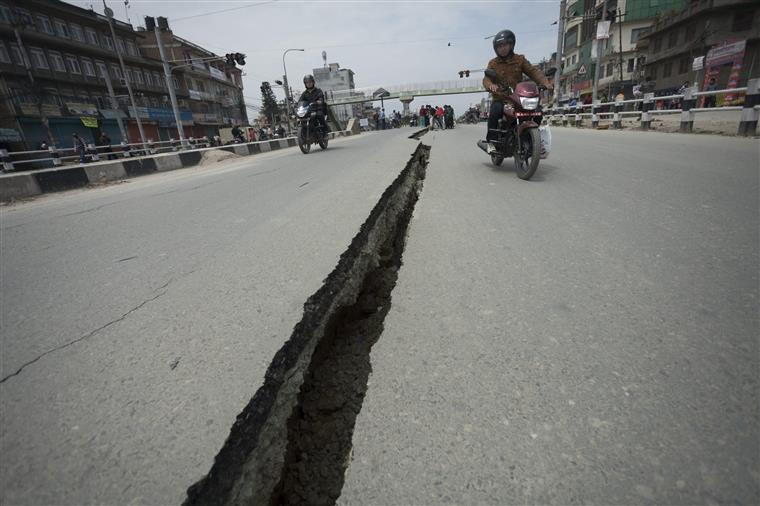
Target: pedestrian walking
{"points": [[710, 100], [105, 143], [439, 116], [80, 147], [382, 119]]}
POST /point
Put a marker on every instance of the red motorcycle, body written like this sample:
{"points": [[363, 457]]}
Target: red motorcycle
{"points": [[518, 135]]}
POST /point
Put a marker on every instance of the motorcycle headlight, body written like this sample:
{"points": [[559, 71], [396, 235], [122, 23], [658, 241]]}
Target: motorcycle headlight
{"points": [[301, 112], [529, 103]]}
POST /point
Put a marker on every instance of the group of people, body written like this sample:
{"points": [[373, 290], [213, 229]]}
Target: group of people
{"points": [[437, 117]]}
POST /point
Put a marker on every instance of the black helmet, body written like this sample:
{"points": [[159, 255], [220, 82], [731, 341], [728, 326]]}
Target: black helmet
{"points": [[503, 37], [308, 77]]}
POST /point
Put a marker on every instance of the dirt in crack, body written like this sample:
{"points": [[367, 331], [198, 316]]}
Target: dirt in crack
{"points": [[322, 425], [291, 443]]}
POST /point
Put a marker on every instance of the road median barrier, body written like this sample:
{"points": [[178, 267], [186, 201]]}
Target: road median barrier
{"points": [[19, 185]]}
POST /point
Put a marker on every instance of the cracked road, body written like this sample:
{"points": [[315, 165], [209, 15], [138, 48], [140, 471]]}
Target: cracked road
{"points": [[590, 336], [217, 278]]}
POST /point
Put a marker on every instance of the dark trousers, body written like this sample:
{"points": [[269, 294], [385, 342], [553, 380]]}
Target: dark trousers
{"points": [[497, 111]]}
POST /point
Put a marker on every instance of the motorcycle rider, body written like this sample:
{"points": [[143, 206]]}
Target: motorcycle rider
{"points": [[510, 68], [313, 95]]}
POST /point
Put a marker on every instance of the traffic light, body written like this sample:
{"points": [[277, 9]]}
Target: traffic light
{"points": [[240, 58], [461, 74], [230, 57], [467, 73], [265, 86]]}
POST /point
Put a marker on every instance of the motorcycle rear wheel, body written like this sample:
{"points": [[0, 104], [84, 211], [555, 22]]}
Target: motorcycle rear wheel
{"points": [[528, 154]]}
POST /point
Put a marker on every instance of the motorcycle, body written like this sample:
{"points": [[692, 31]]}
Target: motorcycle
{"points": [[310, 130], [517, 134]]}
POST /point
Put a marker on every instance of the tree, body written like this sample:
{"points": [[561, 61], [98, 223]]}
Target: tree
{"points": [[269, 105]]}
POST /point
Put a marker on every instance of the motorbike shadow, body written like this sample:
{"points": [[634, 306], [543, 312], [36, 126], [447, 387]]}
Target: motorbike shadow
{"points": [[543, 173]]}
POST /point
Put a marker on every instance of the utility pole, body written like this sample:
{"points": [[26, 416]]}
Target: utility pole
{"points": [[620, 30], [114, 102], [285, 84], [27, 64], [594, 92], [560, 44], [170, 85], [109, 14]]}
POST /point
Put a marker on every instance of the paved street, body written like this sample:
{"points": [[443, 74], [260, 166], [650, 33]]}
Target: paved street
{"points": [[586, 337]]}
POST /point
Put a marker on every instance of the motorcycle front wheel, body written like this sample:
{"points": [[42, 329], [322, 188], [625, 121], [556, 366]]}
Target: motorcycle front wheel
{"points": [[528, 154], [323, 141], [303, 142]]}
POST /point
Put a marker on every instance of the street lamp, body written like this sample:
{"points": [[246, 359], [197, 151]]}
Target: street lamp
{"points": [[285, 84]]}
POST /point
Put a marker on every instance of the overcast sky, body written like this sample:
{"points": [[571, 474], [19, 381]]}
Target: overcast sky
{"points": [[383, 42]]}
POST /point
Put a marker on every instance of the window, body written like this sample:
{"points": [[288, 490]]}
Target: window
{"points": [[574, 59], [672, 39], [571, 38], [131, 48], [157, 80], [108, 42], [120, 45], [88, 67], [657, 44], [74, 67], [601, 72], [176, 83], [38, 58], [667, 70], [129, 75], [43, 23], [5, 57], [683, 65], [62, 29], [690, 31], [16, 56], [148, 79], [76, 32], [102, 69], [742, 21], [56, 61], [138, 76], [116, 72], [92, 37], [5, 14], [630, 64], [636, 33], [610, 68]]}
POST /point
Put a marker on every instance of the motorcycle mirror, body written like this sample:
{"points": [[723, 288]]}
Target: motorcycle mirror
{"points": [[491, 73], [551, 72]]}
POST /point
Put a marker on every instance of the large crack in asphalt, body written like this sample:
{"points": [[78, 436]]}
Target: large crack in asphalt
{"points": [[291, 444]]}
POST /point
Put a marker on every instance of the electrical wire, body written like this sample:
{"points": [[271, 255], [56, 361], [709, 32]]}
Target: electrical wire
{"points": [[174, 20]]}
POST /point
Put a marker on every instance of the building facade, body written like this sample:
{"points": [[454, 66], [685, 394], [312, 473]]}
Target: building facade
{"points": [[56, 61], [619, 58], [332, 79], [725, 32], [212, 91]]}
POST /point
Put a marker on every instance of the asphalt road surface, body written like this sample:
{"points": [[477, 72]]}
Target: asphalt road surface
{"points": [[586, 337]]}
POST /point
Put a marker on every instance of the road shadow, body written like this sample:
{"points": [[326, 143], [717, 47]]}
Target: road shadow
{"points": [[543, 173]]}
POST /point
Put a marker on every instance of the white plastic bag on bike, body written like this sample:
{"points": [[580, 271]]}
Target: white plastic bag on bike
{"points": [[546, 140]]}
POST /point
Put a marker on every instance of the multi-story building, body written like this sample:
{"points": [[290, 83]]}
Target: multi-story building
{"points": [[55, 61], [214, 90], [332, 79], [725, 32], [619, 59]]}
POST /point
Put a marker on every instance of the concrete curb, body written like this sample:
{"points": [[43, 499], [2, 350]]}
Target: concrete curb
{"points": [[29, 184]]}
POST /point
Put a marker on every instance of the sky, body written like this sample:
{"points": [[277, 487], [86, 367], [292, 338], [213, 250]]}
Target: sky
{"points": [[384, 42]]}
